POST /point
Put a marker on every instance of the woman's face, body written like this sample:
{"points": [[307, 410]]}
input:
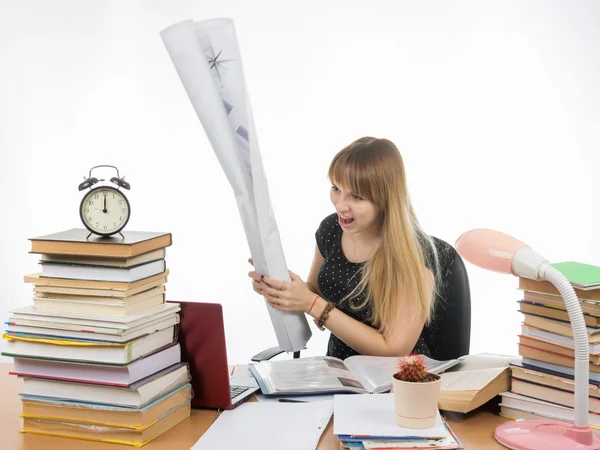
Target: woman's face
{"points": [[355, 214]]}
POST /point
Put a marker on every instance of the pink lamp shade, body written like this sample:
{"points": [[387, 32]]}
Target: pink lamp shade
{"points": [[489, 249]]}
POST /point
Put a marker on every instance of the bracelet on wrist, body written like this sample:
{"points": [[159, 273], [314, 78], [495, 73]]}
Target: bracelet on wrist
{"points": [[320, 322], [313, 304]]}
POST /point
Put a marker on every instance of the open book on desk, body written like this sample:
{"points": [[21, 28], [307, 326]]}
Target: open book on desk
{"points": [[325, 374], [476, 380]]}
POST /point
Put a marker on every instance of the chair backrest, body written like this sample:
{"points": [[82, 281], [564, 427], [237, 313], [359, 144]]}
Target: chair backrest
{"points": [[448, 336]]}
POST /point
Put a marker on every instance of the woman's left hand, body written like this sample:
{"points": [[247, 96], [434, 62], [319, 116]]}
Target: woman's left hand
{"points": [[292, 296]]}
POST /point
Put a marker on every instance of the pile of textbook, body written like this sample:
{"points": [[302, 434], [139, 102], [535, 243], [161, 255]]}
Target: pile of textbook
{"points": [[542, 385], [97, 350], [366, 421]]}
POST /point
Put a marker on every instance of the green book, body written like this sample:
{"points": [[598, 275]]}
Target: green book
{"points": [[581, 276]]}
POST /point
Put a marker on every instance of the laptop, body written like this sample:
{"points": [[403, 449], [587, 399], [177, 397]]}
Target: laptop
{"points": [[202, 341]]}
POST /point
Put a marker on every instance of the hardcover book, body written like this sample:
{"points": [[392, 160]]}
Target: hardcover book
{"points": [[76, 242]]}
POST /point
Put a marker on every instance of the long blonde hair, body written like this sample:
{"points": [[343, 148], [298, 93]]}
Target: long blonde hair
{"points": [[373, 169]]}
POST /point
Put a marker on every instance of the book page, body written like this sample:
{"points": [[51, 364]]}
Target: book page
{"points": [[484, 361], [469, 380], [375, 372], [305, 375]]}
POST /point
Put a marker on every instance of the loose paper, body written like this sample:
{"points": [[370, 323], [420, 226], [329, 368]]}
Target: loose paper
{"points": [[268, 426]]}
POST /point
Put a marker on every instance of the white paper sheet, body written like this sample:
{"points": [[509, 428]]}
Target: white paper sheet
{"points": [[375, 415], [207, 59], [268, 426]]}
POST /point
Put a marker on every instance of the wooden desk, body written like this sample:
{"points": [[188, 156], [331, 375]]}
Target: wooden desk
{"points": [[475, 431]]}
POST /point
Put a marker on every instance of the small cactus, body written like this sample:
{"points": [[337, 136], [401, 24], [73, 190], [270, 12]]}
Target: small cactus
{"points": [[412, 369]]}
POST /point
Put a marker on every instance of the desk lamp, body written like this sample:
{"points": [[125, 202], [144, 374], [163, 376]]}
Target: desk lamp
{"points": [[502, 253]]}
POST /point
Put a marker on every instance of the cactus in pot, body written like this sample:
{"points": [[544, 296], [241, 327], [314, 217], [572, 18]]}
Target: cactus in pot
{"points": [[416, 393]]}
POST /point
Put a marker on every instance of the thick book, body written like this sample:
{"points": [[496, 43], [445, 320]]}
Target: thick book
{"points": [[29, 312], [555, 312], [76, 242], [551, 394], [559, 327], [551, 347], [325, 374], [94, 333], [591, 307], [533, 352], [110, 262], [97, 373], [549, 378], [476, 380], [117, 287], [105, 415], [122, 328], [547, 409], [111, 434], [101, 273], [96, 298], [564, 341], [545, 287], [556, 369], [136, 395], [117, 307], [86, 351]]}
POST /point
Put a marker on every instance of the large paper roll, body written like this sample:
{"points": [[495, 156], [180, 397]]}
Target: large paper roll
{"points": [[207, 58]]}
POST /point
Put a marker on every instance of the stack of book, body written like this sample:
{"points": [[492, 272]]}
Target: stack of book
{"points": [[366, 421], [97, 350], [542, 384]]}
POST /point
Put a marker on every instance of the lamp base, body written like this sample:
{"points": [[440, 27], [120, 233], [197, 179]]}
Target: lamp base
{"points": [[545, 435]]}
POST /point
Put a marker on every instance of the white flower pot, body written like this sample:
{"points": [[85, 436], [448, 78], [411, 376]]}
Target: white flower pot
{"points": [[416, 403]]}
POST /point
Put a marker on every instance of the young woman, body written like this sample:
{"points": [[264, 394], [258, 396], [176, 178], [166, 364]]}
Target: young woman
{"points": [[372, 280]]}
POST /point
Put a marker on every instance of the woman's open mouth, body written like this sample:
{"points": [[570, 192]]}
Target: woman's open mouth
{"points": [[345, 221]]}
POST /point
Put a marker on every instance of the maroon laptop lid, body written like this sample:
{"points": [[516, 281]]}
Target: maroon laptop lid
{"points": [[202, 339]]}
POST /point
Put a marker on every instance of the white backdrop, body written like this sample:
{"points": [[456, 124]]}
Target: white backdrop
{"points": [[494, 106]]}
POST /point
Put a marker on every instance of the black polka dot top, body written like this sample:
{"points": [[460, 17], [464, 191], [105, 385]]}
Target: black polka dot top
{"points": [[338, 277]]}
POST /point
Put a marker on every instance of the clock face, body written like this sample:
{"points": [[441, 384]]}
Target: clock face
{"points": [[104, 211]]}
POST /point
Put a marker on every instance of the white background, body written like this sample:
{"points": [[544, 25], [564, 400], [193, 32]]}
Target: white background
{"points": [[494, 106]]}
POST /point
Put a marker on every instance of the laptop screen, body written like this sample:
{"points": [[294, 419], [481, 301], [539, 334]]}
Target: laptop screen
{"points": [[202, 340]]}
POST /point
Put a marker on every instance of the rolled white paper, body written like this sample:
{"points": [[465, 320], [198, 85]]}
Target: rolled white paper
{"points": [[207, 58]]}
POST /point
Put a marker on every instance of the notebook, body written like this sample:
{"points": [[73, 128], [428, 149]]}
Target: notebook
{"points": [[202, 340], [581, 276]]}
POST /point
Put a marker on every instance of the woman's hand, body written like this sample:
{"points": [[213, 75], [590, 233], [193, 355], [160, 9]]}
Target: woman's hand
{"points": [[256, 286], [292, 296]]}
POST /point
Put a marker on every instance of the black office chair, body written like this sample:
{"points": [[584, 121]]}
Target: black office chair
{"points": [[448, 335]]}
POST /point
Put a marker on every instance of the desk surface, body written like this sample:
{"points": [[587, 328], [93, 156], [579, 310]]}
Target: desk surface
{"points": [[476, 431]]}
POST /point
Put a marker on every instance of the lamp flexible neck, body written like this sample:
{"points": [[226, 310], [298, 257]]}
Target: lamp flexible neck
{"points": [[580, 338]]}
